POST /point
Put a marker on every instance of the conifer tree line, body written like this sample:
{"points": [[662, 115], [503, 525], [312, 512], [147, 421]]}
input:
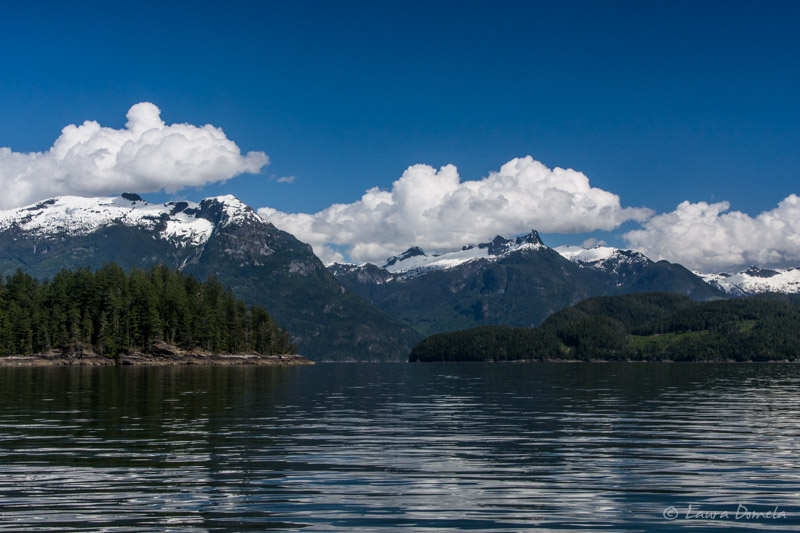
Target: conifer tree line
{"points": [[111, 311], [637, 327]]}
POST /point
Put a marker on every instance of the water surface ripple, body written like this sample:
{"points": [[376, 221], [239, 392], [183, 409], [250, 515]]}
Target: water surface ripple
{"points": [[381, 447]]}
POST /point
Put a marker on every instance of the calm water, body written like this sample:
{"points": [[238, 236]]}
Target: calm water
{"points": [[347, 447]]}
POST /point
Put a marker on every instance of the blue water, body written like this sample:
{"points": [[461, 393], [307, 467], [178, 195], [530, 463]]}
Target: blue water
{"points": [[383, 447]]}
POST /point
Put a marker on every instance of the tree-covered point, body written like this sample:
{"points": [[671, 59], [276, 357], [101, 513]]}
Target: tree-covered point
{"points": [[110, 312], [639, 327]]}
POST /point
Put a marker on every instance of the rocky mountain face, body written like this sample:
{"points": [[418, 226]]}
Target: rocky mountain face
{"points": [[517, 282], [219, 236]]}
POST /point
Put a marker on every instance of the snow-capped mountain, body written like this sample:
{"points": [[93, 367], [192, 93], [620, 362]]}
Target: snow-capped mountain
{"points": [[752, 281], [601, 257], [756, 280], [516, 281], [414, 261], [220, 236], [622, 265], [367, 273], [183, 223]]}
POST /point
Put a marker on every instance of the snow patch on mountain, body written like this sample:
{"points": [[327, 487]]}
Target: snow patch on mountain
{"points": [[756, 280], [601, 257], [187, 230], [619, 263], [367, 273], [180, 222], [415, 261], [577, 254], [398, 264]]}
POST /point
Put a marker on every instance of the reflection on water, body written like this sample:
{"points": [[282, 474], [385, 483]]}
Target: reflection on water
{"points": [[346, 447]]}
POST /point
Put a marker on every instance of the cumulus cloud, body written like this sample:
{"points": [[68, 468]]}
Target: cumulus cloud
{"points": [[439, 212], [146, 155], [592, 242], [710, 238]]}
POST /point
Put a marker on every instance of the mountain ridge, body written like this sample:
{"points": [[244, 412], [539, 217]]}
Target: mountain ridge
{"points": [[517, 282], [756, 280], [220, 236], [415, 261]]}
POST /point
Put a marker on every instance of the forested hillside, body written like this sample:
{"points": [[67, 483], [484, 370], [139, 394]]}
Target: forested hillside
{"points": [[110, 311], [220, 236], [639, 327]]}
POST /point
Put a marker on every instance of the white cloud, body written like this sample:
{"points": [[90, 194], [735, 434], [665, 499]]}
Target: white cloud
{"points": [[145, 156], [439, 212], [592, 242], [285, 179], [709, 238]]}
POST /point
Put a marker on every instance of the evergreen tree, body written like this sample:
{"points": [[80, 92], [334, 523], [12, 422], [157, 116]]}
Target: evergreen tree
{"points": [[110, 311]]}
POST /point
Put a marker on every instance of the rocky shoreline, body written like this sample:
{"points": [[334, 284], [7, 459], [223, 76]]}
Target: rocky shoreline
{"points": [[161, 355], [151, 360]]}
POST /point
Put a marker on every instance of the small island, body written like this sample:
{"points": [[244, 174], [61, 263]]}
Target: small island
{"points": [[636, 327], [113, 317]]}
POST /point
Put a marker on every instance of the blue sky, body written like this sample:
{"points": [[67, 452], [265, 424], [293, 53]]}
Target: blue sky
{"points": [[656, 102]]}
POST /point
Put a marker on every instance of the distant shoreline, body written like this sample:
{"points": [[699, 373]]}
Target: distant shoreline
{"points": [[142, 359], [604, 361]]}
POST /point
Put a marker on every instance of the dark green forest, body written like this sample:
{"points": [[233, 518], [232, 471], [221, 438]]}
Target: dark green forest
{"points": [[636, 327], [111, 312]]}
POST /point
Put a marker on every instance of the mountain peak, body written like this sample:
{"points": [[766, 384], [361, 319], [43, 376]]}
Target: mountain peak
{"points": [[756, 272], [414, 251], [498, 246], [131, 196], [227, 209], [227, 199], [531, 238]]}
